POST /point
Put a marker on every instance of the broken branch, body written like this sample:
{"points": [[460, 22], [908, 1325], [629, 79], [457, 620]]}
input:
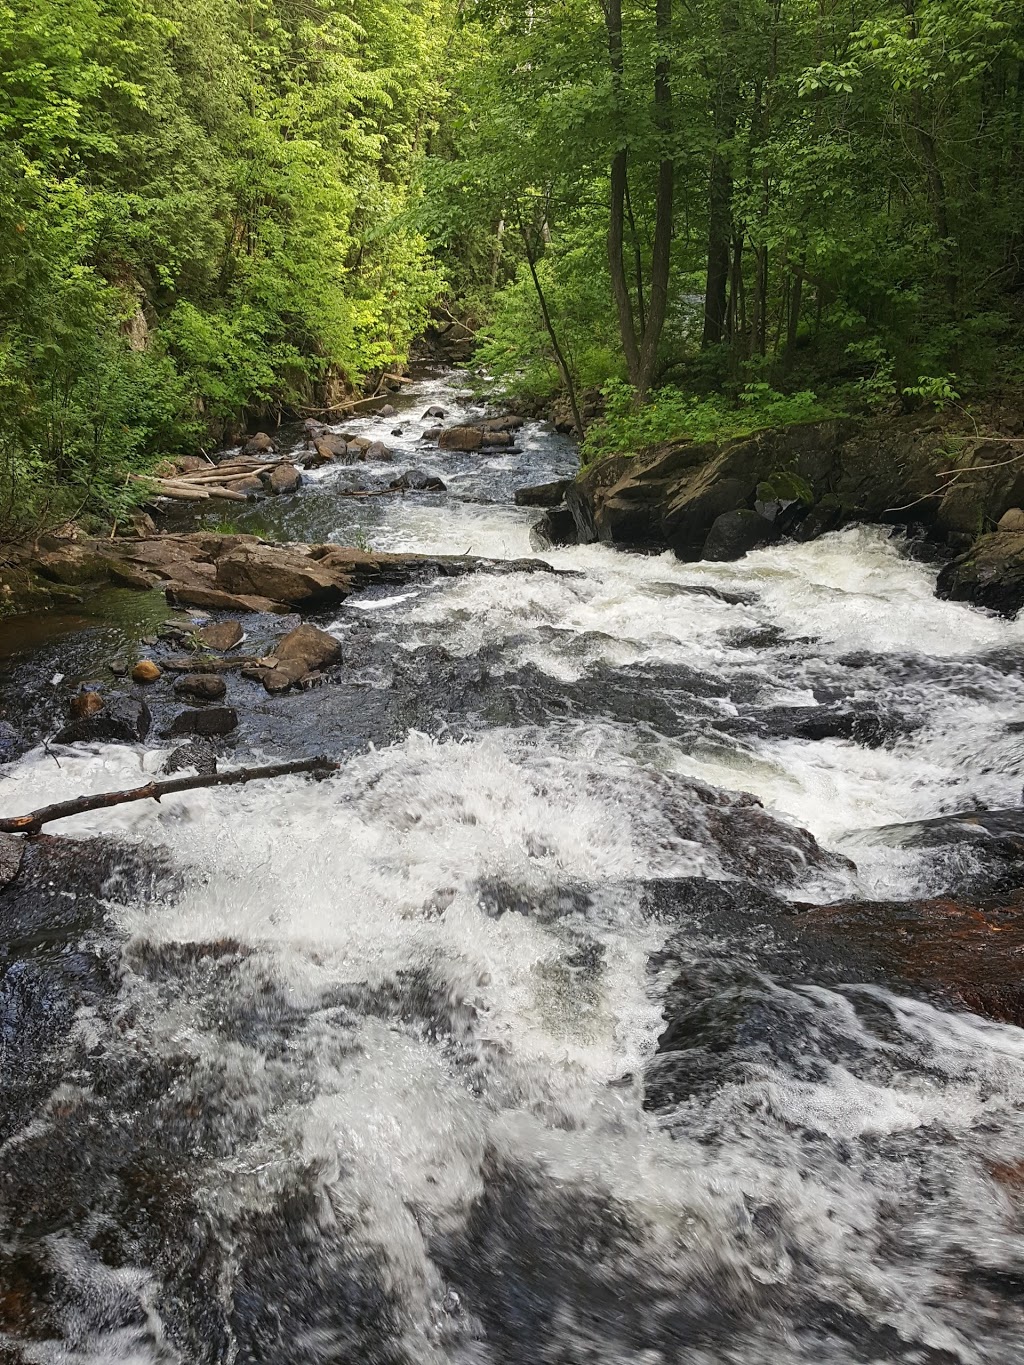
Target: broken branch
{"points": [[33, 823]]}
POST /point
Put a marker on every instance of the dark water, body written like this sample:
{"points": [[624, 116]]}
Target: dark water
{"points": [[505, 1044]]}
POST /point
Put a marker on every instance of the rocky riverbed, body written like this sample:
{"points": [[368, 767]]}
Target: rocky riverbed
{"points": [[643, 986]]}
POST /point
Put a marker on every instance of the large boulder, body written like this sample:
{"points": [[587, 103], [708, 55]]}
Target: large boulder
{"points": [[733, 534], [461, 438], [556, 527], [282, 575], [72, 565], [542, 494], [990, 574], [284, 479]]}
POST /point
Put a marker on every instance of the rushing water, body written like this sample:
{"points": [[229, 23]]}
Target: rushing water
{"points": [[371, 1075]]}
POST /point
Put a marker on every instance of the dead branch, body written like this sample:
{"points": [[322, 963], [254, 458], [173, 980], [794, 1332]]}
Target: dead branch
{"points": [[33, 823]]}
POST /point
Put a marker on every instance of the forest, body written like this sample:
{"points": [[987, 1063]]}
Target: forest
{"points": [[687, 217]]}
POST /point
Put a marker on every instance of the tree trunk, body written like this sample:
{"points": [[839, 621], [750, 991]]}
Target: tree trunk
{"points": [[617, 212], [720, 226], [560, 360], [661, 255]]}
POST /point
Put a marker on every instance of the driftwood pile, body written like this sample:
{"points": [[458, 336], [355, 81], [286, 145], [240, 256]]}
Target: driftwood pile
{"points": [[214, 481]]}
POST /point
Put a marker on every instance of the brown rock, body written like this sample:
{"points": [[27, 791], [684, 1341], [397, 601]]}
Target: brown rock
{"points": [[284, 675], [260, 444], [282, 575], [221, 635], [124, 574], [145, 671], [86, 704], [377, 450], [72, 564], [329, 447], [310, 646], [285, 479], [212, 599], [249, 485], [1013, 520], [461, 438], [202, 686]]}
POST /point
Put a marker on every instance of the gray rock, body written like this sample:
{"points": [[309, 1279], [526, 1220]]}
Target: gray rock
{"points": [[542, 494], [733, 534], [123, 720], [201, 686], [434, 414], [200, 754], [12, 850], [12, 746], [214, 720], [556, 527], [418, 480]]}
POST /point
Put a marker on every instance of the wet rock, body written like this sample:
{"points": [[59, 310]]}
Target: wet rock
{"points": [[418, 480], [12, 850], [310, 646], [200, 755], [284, 479], [388, 410], [12, 745], [542, 494], [260, 444], [201, 686], [432, 434], [973, 948], [251, 486], [330, 447], [146, 671], [397, 431], [557, 527], [213, 720], [460, 438], [123, 720], [281, 575], [734, 534], [180, 594], [221, 636], [84, 704], [377, 450], [434, 413], [502, 424], [990, 574], [126, 575]]}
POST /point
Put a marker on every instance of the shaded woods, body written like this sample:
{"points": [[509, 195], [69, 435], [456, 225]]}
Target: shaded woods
{"points": [[724, 213]]}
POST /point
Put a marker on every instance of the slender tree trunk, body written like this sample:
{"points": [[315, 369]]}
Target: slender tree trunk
{"points": [[638, 261], [619, 186], [560, 360], [661, 254], [720, 188]]}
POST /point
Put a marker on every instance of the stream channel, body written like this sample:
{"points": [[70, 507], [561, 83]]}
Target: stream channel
{"points": [[499, 1046]]}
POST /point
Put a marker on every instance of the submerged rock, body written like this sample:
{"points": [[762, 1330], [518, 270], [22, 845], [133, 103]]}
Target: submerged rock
{"points": [[214, 720], [418, 480], [202, 686]]}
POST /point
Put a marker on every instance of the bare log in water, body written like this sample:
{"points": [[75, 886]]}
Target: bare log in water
{"points": [[33, 823]]}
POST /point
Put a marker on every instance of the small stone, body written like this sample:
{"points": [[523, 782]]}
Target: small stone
{"points": [[149, 640], [377, 450], [387, 410], [202, 686], [86, 704], [260, 444], [119, 667], [1013, 520], [396, 431], [310, 646], [145, 671], [221, 636], [434, 413]]}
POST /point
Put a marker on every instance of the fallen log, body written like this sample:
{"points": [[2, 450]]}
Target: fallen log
{"points": [[32, 824], [199, 663]]}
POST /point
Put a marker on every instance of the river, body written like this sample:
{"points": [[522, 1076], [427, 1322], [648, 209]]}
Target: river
{"points": [[371, 1072]]}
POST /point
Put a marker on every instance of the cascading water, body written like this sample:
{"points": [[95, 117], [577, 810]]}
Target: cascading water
{"points": [[371, 1071]]}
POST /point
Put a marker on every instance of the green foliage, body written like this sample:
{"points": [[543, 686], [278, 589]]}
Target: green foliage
{"points": [[936, 390], [673, 415], [202, 213]]}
